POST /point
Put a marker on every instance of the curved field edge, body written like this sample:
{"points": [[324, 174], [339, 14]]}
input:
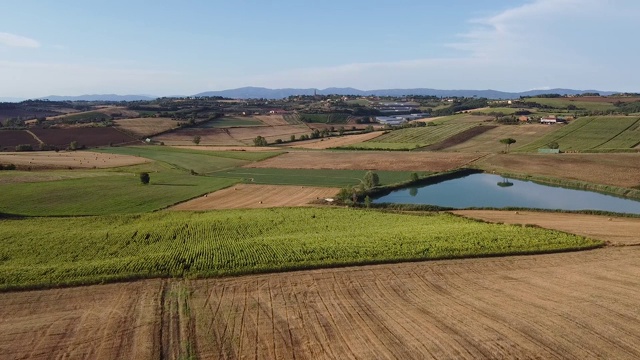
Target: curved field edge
{"points": [[50, 252]]}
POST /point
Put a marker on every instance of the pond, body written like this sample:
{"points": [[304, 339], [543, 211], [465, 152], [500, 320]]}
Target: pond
{"points": [[494, 191]]}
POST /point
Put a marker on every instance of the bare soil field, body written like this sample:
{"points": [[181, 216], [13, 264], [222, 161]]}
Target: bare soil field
{"points": [[249, 196], [609, 169], [558, 306], [226, 148], [271, 120], [321, 144], [68, 159], [85, 136], [209, 136], [142, 127], [361, 160], [9, 139], [614, 230], [490, 140]]}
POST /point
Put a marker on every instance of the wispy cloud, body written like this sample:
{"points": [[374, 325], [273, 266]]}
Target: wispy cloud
{"points": [[543, 42], [14, 40]]}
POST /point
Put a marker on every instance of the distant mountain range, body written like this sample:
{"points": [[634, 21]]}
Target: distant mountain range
{"points": [[265, 93], [257, 92]]}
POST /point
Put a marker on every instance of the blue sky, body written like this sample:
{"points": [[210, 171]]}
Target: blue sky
{"points": [[180, 48]]}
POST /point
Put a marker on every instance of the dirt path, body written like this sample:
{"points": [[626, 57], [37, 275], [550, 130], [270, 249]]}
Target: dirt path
{"points": [[248, 196], [571, 305], [616, 231]]}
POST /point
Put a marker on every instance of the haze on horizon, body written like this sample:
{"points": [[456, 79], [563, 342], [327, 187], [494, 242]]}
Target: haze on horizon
{"points": [[73, 47]]}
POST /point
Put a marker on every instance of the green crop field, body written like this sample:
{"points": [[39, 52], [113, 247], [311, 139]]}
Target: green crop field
{"points": [[230, 122], [411, 138], [312, 177], [595, 133], [109, 193], [44, 252], [562, 103], [336, 118]]}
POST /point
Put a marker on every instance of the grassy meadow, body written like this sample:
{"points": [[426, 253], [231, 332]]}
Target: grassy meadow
{"points": [[412, 138], [45, 252]]}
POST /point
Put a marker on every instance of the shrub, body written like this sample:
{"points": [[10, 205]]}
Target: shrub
{"points": [[24, 147], [145, 178]]}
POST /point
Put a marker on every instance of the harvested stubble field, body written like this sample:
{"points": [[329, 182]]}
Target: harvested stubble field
{"points": [[271, 133], [558, 306], [69, 159], [349, 160], [614, 230], [248, 196], [271, 120], [142, 127], [610, 169], [490, 140], [211, 136], [332, 142]]}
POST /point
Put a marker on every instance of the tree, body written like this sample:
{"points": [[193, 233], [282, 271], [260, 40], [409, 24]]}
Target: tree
{"points": [[507, 143], [341, 130], [145, 178], [293, 138], [196, 139], [371, 180], [73, 145], [553, 145], [414, 177], [367, 201], [260, 141]]}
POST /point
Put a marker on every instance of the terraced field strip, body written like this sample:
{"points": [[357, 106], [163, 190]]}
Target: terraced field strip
{"points": [[321, 144], [560, 306], [247, 196], [69, 159], [589, 133]]}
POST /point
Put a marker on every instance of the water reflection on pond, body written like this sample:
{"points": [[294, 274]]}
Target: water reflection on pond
{"points": [[487, 190]]}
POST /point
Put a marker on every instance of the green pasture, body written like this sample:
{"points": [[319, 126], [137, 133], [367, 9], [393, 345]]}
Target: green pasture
{"points": [[416, 137], [594, 133], [562, 103], [48, 252]]}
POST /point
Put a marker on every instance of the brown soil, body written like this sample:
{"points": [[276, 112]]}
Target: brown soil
{"points": [[142, 127], [332, 142], [571, 305], [272, 120], [68, 159], [614, 230], [609, 169], [248, 196], [271, 133], [9, 139], [215, 137], [459, 138], [85, 136], [368, 160]]}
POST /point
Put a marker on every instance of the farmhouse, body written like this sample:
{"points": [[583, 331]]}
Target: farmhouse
{"points": [[552, 119]]}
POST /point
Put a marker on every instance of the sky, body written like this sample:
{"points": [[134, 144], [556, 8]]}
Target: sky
{"points": [[168, 47]]}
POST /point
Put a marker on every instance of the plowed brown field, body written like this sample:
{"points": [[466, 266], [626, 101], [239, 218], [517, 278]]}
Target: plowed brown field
{"points": [[68, 159], [361, 160], [581, 305], [610, 169], [248, 196]]}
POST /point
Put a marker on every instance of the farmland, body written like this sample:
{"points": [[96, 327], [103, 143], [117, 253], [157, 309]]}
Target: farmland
{"points": [[85, 136], [556, 306], [603, 133], [68, 160], [311, 177], [225, 122], [142, 127], [250, 196], [412, 138], [369, 160], [490, 141], [9, 139], [562, 103], [333, 142], [80, 250]]}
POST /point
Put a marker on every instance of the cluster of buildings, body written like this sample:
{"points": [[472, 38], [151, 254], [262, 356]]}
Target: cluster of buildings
{"points": [[400, 119]]}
